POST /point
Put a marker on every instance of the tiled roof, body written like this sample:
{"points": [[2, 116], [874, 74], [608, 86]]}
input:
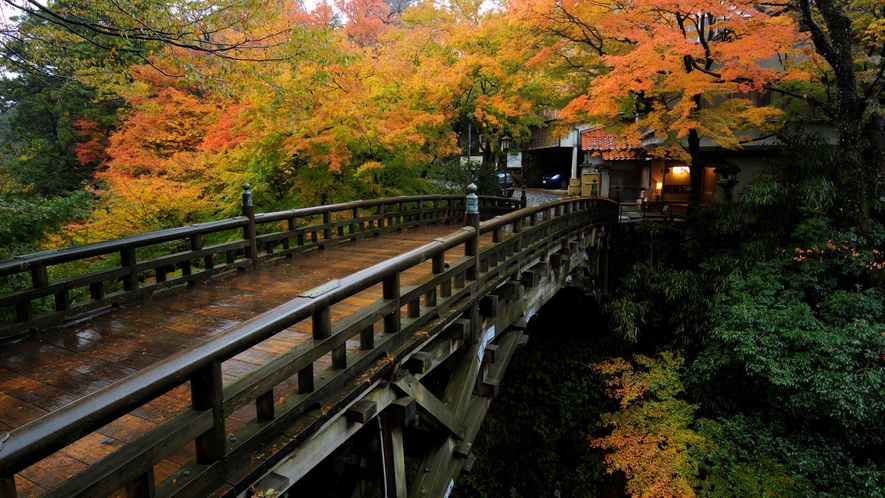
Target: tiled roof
{"points": [[608, 145]]}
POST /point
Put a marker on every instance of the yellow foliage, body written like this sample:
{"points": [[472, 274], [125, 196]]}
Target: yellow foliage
{"points": [[651, 434]]}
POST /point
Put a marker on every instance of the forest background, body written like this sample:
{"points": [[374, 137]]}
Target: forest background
{"points": [[751, 337]]}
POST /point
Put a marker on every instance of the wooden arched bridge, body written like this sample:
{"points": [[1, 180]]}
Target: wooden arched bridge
{"points": [[234, 356]]}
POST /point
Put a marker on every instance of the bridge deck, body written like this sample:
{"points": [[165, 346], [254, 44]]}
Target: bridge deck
{"points": [[42, 372]]}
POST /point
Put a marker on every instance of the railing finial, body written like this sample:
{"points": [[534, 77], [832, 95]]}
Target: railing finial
{"points": [[472, 199], [247, 194]]}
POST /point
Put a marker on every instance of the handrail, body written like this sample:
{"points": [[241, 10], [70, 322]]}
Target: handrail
{"points": [[128, 276], [548, 223]]}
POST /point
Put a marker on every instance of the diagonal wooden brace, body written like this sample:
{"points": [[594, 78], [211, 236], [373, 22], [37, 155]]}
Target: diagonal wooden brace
{"points": [[431, 406]]}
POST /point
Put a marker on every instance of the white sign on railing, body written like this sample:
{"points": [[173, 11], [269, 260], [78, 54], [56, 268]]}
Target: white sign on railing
{"points": [[486, 339]]}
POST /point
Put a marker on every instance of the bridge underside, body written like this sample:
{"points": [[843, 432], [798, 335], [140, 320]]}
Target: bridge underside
{"points": [[430, 394]]}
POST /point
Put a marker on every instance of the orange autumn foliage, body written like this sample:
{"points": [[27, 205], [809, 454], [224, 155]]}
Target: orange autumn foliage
{"points": [[681, 71], [157, 174], [651, 433]]}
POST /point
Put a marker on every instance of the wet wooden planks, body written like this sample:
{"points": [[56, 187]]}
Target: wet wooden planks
{"points": [[44, 371]]}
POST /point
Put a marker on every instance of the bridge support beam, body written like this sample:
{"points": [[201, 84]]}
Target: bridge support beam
{"points": [[398, 415]]}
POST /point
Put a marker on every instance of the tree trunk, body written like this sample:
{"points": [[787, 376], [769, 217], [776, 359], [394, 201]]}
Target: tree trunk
{"points": [[876, 134], [853, 178], [696, 170], [836, 45]]}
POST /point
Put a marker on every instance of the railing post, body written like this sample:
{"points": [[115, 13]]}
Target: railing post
{"points": [[142, 486], [264, 407], [354, 222], [367, 338], [127, 260], [471, 218], [327, 225], [391, 290], [291, 225], [471, 248], [249, 231], [39, 278], [438, 266], [207, 394], [7, 487]]}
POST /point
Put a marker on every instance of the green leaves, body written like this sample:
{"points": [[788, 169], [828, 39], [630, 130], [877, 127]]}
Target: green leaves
{"points": [[811, 365], [26, 221], [668, 304]]}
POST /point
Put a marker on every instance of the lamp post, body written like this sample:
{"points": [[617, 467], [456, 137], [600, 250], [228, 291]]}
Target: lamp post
{"points": [[505, 146], [504, 142]]}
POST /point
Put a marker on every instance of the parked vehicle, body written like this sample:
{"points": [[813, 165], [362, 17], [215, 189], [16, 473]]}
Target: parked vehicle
{"points": [[505, 184], [556, 180]]}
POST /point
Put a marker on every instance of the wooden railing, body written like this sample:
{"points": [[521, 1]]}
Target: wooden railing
{"points": [[224, 455], [55, 285]]}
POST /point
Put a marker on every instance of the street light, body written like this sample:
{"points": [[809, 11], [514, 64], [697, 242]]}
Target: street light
{"points": [[505, 146], [505, 143]]}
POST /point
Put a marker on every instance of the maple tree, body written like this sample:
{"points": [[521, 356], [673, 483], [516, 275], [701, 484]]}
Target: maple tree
{"points": [[156, 174], [682, 72], [495, 88], [651, 434]]}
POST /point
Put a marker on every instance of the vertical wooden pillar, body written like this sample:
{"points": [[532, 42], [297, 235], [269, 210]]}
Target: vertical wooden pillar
{"points": [[291, 225], [127, 260], [62, 301], [414, 308], [142, 486], [391, 290], [471, 219], [367, 338], [39, 276], [305, 380], [249, 233], [207, 394], [327, 225], [321, 323], [438, 266], [264, 407], [96, 291], [394, 461], [7, 487], [471, 247], [354, 217], [399, 414]]}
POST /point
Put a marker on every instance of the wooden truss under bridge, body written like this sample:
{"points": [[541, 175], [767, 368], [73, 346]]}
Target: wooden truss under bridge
{"points": [[452, 310]]}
